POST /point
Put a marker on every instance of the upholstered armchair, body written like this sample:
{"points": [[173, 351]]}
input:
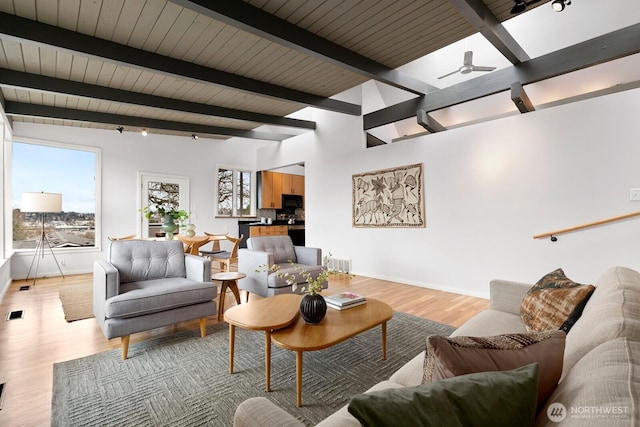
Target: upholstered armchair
{"points": [[265, 251], [149, 284]]}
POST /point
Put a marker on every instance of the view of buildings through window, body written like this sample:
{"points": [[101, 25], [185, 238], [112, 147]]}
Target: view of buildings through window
{"points": [[235, 188], [40, 167]]}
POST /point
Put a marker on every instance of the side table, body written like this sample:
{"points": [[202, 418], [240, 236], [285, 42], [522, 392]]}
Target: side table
{"points": [[229, 280]]}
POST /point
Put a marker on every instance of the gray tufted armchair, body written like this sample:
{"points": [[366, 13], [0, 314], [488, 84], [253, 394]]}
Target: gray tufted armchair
{"points": [[265, 251], [149, 284]]}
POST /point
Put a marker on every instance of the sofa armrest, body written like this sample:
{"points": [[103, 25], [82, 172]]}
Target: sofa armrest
{"points": [[308, 256], [106, 280], [259, 411], [506, 295], [198, 268], [106, 284]]}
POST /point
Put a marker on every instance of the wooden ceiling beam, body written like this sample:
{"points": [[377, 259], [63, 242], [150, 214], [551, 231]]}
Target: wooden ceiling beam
{"points": [[255, 21], [480, 16], [19, 109], [521, 99], [27, 30], [608, 47], [27, 81]]}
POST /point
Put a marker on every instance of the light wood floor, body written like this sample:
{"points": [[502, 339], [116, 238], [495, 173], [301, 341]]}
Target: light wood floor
{"points": [[30, 346]]}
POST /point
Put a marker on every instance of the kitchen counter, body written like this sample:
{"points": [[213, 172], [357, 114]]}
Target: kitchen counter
{"points": [[248, 228]]}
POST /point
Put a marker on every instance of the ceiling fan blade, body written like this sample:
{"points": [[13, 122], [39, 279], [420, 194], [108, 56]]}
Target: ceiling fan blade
{"points": [[468, 58], [449, 74], [481, 68]]}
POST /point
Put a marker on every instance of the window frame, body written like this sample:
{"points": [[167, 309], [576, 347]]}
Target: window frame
{"points": [[234, 191], [97, 245]]}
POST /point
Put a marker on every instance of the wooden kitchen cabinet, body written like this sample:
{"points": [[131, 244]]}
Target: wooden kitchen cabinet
{"points": [[271, 190], [268, 230], [293, 184], [275, 184]]}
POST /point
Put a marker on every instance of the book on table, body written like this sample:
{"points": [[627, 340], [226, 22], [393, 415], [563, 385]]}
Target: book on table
{"points": [[344, 299], [345, 307]]}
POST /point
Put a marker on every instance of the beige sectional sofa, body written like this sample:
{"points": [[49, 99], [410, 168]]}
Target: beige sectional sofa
{"points": [[600, 383]]}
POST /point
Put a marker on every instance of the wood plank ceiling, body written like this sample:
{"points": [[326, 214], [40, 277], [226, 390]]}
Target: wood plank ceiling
{"points": [[219, 69]]}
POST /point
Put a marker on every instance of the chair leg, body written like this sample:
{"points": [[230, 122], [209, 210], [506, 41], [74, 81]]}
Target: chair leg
{"points": [[203, 327], [124, 343]]}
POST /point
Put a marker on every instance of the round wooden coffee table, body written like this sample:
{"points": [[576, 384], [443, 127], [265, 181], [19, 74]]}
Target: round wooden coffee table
{"points": [[229, 280]]}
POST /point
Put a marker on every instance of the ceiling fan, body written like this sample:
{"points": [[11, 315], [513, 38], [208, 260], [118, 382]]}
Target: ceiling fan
{"points": [[467, 66]]}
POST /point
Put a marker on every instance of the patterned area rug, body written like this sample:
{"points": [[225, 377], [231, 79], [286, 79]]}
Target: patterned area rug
{"points": [[183, 380], [76, 301]]}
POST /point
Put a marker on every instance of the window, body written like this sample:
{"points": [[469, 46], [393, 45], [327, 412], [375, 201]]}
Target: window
{"points": [[55, 168], [236, 189], [170, 191]]}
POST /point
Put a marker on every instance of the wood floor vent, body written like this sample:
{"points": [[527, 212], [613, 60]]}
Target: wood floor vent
{"points": [[24, 288], [17, 314]]}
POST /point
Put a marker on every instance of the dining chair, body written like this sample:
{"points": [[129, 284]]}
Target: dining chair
{"points": [[215, 239], [129, 237], [225, 258]]}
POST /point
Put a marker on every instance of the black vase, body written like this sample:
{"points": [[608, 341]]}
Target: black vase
{"points": [[313, 308]]}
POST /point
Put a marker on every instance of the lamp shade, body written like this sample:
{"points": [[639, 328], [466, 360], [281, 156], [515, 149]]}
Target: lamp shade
{"points": [[41, 202]]}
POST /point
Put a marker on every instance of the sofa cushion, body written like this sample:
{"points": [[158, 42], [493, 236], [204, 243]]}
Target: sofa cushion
{"points": [[601, 389], [548, 304], [153, 296], [450, 357], [612, 312], [138, 260], [499, 398]]}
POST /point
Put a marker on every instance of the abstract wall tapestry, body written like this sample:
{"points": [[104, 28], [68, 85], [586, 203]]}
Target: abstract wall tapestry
{"points": [[389, 198]]}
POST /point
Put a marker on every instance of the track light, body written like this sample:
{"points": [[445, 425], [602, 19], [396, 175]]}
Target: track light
{"points": [[194, 136], [519, 7], [144, 132], [120, 129], [558, 5]]}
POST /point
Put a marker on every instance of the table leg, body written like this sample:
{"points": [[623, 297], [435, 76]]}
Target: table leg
{"points": [[384, 340], [232, 342], [267, 359], [223, 293], [233, 285], [299, 378]]}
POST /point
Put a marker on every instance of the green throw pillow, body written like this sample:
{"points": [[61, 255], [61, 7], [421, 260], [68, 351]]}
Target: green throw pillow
{"points": [[498, 398]]}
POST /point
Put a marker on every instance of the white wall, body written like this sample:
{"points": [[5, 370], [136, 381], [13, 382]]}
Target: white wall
{"points": [[488, 189], [122, 157]]}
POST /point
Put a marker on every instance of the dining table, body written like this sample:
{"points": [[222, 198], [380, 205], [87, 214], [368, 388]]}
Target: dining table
{"points": [[194, 243]]}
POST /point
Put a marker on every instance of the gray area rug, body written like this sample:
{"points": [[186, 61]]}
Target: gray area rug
{"points": [[183, 379], [77, 301]]}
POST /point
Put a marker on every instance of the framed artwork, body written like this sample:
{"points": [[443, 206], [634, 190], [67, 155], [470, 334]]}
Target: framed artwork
{"points": [[389, 197]]}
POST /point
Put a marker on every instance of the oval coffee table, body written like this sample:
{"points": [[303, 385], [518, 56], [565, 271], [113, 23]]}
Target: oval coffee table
{"points": [[337, 326]]}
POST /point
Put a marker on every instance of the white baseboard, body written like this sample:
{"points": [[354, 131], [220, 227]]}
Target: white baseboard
{"points": [[435, 287]]}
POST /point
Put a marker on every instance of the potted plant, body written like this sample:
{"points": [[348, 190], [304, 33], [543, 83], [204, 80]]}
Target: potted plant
{"points": [[313, 307], [169, 214]]}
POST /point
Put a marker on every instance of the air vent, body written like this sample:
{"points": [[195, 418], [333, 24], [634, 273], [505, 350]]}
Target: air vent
{"points": [[17, 314], [24, 288]]}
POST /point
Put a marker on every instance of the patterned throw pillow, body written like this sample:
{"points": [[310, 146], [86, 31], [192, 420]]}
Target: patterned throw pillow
{"points": [[449, 357], [550, 302]]}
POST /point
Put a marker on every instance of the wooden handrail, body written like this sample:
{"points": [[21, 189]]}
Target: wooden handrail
{"points": [[587, 225]]}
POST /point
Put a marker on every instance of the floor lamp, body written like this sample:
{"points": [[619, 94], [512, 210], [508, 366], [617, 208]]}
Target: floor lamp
{"points": [[41, 203]]}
